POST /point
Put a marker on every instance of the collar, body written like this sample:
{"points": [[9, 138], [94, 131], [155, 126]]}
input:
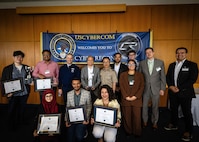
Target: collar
{"points": [[180, 61]]}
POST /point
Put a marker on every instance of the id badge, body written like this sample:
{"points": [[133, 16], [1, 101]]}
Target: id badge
{"points": [[47, 71], [131, 82]]}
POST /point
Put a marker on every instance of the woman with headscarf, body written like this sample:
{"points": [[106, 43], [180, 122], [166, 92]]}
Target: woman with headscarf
{"points": [[47, 106]]}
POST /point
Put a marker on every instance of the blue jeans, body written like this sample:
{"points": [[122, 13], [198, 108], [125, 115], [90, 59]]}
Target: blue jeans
{"points": [[76, 132]]}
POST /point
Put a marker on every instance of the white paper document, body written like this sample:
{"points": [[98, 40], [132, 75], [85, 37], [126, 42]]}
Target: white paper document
{"points": [[76, 114], [104, 116], [43, 84], [12, 86], [49, 123]]}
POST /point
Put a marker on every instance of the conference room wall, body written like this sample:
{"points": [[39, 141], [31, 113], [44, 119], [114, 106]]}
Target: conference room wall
{"points": [[172, 26]]}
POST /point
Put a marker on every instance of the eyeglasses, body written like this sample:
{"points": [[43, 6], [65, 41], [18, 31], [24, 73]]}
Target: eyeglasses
{"points": [[131, 64]]}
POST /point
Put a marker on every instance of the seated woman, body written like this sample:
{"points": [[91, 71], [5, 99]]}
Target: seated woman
{"points": [[107, 98], [47, 106]]}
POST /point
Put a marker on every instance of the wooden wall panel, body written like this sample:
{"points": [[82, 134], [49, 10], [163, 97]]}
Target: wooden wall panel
{"points": [[7, 49], [6, 55], [165, 50], [91, 23], [195, 54], [196, 22], [173, 26], [16, 27], [2, 25], [135, 19], [172, 22], [38, 52], [60, 23]]}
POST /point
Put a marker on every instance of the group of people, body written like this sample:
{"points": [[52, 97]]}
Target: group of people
{"points": [[129, 87]]}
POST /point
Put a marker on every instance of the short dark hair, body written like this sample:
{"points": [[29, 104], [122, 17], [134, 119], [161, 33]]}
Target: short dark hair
{"points": [[149, 48], [117, 53], [105, 58], [110, 92], [184, 48], [18, 52], [76, 78], [131, 51], [46, 51]]}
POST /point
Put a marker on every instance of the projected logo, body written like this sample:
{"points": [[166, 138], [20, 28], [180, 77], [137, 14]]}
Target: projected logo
{"points": [[61, 45]]}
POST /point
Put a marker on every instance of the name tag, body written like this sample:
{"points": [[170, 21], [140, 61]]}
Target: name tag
{"points": [[131, 82], [47, 71], [72, 70], [185, 69], [158, 69]]}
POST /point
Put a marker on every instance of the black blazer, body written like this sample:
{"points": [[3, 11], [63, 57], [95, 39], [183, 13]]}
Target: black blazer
{"points": [[122, 68], [187, 76], [7, 75]]}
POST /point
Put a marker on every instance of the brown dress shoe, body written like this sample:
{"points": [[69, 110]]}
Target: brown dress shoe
{"points": [[155, 126], [144, 125]]}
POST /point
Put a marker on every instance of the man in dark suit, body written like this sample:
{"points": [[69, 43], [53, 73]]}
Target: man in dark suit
{"points": [[155, 84], [119, 68], [181, 76]]}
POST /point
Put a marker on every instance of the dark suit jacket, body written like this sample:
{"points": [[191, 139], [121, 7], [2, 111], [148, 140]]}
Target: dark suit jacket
{"points": [[186, 78], [122, 68]]}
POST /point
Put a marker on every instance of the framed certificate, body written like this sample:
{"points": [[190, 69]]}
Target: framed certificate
{"points": [[76, 114], [42, 84], [105, 115], [49, 124], [13, 86]]}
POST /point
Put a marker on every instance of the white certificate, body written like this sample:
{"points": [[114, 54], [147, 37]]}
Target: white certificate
{"points": [[49, 123], [12, 86], [105, 116], [42, 84], [76, 115]]}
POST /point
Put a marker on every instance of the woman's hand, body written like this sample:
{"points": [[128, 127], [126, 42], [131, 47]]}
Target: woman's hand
{"points": [[131, 98], [117, 124], [35, 133]]}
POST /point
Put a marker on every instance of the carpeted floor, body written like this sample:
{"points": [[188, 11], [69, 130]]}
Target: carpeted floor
{"points": [[23, 133]]}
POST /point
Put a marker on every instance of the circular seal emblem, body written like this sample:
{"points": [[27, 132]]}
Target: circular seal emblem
{"points": [[127, 42], [61, 45]]}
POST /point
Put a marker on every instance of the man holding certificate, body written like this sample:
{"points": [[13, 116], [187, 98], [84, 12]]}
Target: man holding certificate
{"points": [[15, 76], [105, 118], [46, 69], [78, 109]]}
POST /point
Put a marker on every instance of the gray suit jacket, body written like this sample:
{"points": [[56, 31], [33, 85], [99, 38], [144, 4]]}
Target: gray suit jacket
{"points": [[96, 78], [85, 101], [157, 80]]}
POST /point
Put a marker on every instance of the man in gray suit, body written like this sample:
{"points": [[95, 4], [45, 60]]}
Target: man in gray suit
{"points": [[155, 84], [90, 78], [75, 98]]}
